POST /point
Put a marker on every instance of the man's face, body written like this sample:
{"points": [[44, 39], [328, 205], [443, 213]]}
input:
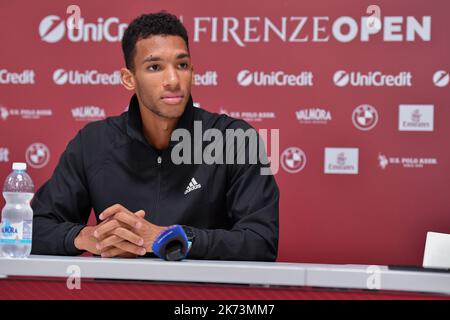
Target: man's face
{"points": [[163, 75]]}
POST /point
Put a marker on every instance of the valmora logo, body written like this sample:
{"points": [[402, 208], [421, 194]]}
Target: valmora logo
{"points": [[52, 29], [341, 160], [275, 78], [342, 78], [313, 115], [88, 113], [88, 77], [415, 117]]}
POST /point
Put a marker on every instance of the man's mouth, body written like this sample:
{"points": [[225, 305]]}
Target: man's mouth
{"points": [[172, 98]]}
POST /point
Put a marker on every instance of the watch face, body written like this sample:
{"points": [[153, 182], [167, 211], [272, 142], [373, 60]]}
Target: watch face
{"points": [[189, 233]]}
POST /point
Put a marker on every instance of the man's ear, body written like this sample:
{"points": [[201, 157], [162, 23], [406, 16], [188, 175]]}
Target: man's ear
{"points": [[193, 73], [127, 78]]}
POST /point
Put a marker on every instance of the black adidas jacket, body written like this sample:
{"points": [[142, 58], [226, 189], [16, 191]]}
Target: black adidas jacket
{"points": [[234, 212]]}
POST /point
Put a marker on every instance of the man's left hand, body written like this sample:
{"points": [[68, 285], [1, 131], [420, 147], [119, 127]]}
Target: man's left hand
{"points": [[147, 230]]}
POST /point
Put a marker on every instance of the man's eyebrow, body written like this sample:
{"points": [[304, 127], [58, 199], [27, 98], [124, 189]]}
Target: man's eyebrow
{"points": [[151, 58], [156, 58], [183, 55]]}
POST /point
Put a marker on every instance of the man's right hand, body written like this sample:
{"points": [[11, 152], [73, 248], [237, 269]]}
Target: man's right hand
{"points": [[85, 240]]}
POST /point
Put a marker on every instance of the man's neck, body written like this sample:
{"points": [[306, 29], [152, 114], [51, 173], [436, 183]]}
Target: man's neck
{"points": [[157, 130]]}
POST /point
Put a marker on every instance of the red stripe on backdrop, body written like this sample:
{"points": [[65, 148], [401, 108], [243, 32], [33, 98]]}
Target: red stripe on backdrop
{"points": [[56, 290]]}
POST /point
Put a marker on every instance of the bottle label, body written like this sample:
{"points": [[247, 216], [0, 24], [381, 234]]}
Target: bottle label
{"points": [[12, 233], [27, 230]]}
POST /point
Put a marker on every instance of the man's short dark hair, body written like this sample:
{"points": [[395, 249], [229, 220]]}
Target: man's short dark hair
{"points": [[147, 25]]}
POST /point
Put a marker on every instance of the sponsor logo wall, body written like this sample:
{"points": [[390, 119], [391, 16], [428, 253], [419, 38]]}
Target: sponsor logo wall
{"points": [[362, 109]]}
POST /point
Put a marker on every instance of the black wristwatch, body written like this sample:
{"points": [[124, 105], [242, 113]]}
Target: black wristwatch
{"points": [[190, 233]]}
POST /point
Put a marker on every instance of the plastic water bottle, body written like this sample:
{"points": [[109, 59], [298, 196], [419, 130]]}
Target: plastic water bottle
{"points": [[17, 215]]}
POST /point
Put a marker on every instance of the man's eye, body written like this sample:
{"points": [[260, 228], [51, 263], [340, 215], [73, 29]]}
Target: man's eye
{"points": [[184, 65], [153, 67]]}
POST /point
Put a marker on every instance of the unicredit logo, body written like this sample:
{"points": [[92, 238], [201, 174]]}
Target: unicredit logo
{"points": [[209, 78], [24, 77], [88, 77], [441, 78], [53, 29], [246, 78], [342, 78]]}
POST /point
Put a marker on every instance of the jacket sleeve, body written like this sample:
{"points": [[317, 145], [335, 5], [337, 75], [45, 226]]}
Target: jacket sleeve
{"points": [[61, 207], [253, 203]]}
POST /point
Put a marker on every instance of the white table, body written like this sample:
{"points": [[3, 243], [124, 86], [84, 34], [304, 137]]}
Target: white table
{"points": [[232, 272]]}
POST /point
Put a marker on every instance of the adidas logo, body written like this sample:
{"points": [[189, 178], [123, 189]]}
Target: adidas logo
{"points": [[192, 186]]}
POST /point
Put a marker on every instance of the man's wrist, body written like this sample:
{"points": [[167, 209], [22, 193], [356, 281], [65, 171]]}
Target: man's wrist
{"points": [[158, 230], [79, 242]]}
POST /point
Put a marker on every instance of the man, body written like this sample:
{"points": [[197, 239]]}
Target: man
{"points": [[122, 168]]}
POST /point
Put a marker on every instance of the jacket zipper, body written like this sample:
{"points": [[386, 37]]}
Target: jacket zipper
{"points": [[158, 191]]}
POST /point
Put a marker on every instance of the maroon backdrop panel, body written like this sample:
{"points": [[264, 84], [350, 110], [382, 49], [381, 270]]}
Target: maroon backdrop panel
{"points": [[361, 104]]}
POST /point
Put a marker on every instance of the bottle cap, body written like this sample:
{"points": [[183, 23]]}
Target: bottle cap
{"points": [[19, 166]]}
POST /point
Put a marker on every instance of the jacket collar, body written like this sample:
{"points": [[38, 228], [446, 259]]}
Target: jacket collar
{"points": [[134, 123]]}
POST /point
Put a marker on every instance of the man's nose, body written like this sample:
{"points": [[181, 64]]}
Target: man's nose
{"points": [[171, 79]]}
